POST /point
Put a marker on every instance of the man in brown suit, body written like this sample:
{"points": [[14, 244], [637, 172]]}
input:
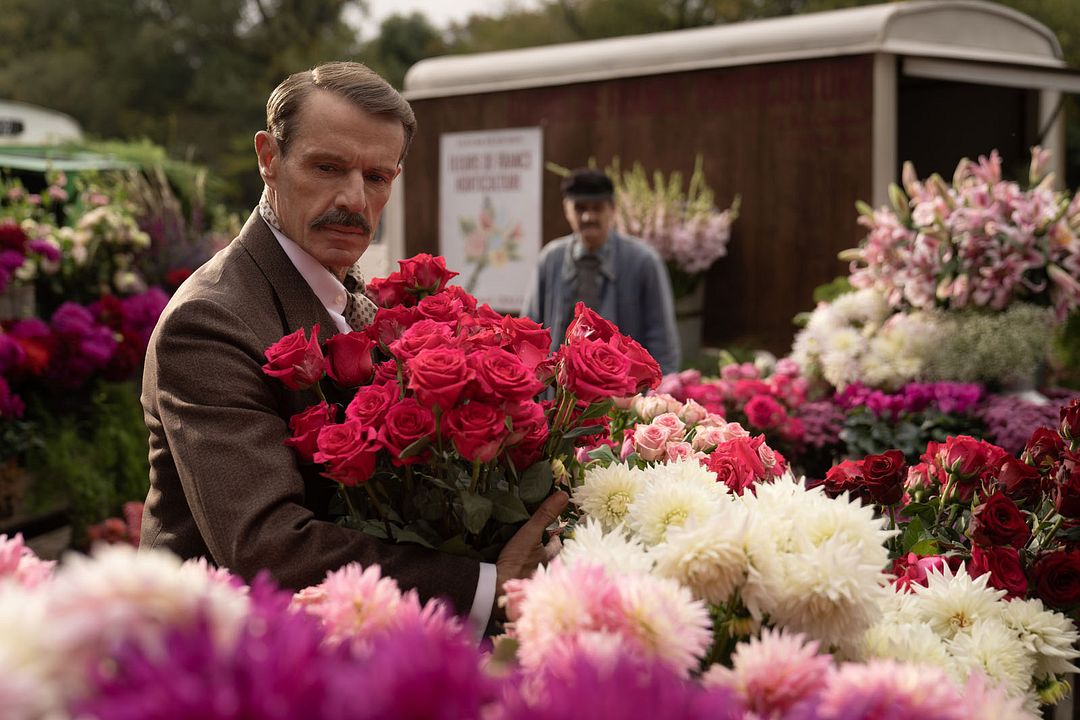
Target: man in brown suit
{"points": [[222, 483]]}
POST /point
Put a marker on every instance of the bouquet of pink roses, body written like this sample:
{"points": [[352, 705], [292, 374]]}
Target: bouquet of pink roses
{"points": [[444, 441]]}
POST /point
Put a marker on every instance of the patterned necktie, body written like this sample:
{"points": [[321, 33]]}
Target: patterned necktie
{"points": [[359, 309], [588, 280]]}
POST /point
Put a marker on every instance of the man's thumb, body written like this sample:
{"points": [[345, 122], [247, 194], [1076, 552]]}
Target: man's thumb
{"points": [[547, 513]]}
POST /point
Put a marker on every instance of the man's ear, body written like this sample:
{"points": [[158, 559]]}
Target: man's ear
{"points": [[266, 148]]}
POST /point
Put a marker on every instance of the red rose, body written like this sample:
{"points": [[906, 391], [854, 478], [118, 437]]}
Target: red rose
{"points": [[965, 456], [595, 370], [745, 390], [764, 412], [406, 422], [422, 335], [175, 278], [1044, 448], [1018, 480], [1056, 579], [530, 448], [477, 430], [442, 307], [884, 476], [524, 418], [1003, 564], [644, 370], [295, 360], [385, 373], [12, 236], [1070, 421], [1067, 485], [458, 293], [370, 403], [588, 325], [348, 358], [438, 377], [737, 463], [348, 449], [527, 339], [997, 521], [500, 376], [390, 323], [387, 292], [845, 477], [305, 427], [425, 273]]}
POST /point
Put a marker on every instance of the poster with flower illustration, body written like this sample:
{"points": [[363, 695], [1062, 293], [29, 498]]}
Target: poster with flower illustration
{"points": [[490, 203]]}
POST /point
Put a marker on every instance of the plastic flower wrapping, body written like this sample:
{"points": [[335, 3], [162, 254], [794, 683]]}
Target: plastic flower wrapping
{"points": [[430, 423], [981, 242]]}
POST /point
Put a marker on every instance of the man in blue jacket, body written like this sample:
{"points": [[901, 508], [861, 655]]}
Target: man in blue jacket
{"points": [[618, 276]]}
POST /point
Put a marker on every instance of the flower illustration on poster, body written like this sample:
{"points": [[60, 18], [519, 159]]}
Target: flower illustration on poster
{"points": [[489, 241]]}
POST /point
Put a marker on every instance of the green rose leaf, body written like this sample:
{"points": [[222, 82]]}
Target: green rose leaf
{"points": [[535, 484], [477, 509]]}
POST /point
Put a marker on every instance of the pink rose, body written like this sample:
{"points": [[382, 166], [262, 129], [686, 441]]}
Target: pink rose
{"points": [[385, 373], [501, 376], [707, 438], [595, 370], [295, 360], [650, 442], [648, 407], [349, 451], [370, 403], [692, 412], [305, 427], [348, 358], [764, 412], [912, 569], [671, 424], [438, 377], [679, 450], [406, 423], [477, 430]]}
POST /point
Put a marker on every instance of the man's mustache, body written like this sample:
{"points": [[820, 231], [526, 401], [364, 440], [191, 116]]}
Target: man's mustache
{"points": [[342, 218]]}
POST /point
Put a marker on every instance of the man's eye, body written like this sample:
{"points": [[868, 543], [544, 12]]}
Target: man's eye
{"points": [[377, 179], [325, 168]]}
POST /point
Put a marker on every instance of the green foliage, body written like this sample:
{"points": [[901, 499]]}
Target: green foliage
{"points": [[866, 434], [832, 290], [1066, 353], [91, 462]]}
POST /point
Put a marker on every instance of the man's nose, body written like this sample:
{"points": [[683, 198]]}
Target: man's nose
{"points": [[352, 195]]}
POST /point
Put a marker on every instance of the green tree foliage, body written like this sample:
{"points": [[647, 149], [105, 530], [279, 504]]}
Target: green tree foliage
{"points": [[191, 76]]}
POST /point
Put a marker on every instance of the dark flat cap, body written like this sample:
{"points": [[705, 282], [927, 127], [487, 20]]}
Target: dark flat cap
{"points": [[587, 184]]}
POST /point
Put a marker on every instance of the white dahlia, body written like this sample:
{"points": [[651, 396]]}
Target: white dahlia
{"points": [[607, 492], [952, 604], [1049, 636], [993, 648], [667, 501], [616, 550], [709, 558]]}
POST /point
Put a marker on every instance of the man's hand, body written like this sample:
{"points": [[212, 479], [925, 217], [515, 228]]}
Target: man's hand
{"points": [[525, 550]]}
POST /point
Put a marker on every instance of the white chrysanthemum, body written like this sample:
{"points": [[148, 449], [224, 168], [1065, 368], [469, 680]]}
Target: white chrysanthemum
{"points": [[952, 604], [994, 648], [815, 563], [667, 502], [616, 550], [663, 618], [866, 307], [28, 688], [908, 642], [709, 558], [607, 492], [119, 595], [1049, 636], [686, 471]]}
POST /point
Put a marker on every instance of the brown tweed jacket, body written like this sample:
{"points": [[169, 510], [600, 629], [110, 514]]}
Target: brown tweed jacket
{"points": [[222, 484]]}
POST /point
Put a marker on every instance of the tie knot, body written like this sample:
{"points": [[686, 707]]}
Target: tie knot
{"points": [[589, 262]]}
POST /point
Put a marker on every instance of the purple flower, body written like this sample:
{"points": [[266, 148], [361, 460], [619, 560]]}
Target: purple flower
{"points": [[11, 405], [11, 260], [278, 667], [822, 423], [45, 249], [11, 353], [84, 346], [425, 669], [141, 312], [621, 686]]}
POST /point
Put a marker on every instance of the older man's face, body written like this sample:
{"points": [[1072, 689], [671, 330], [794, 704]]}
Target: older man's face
{"points": [[591, 220], [330, 187]]}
